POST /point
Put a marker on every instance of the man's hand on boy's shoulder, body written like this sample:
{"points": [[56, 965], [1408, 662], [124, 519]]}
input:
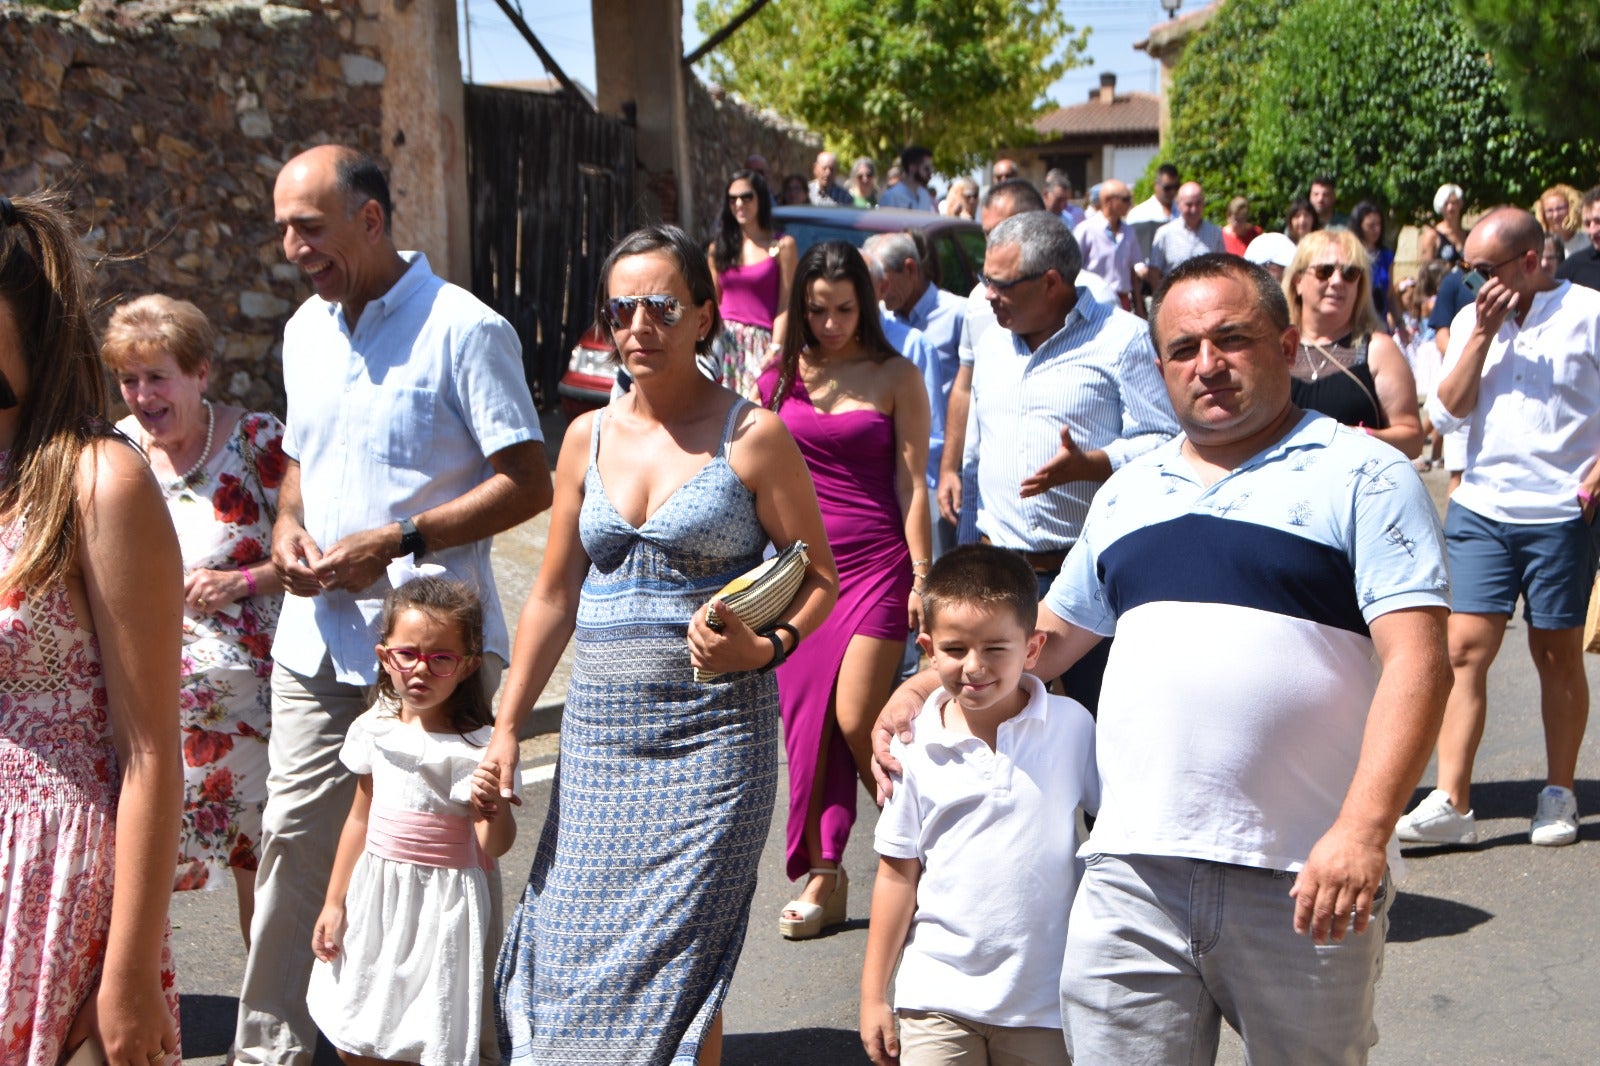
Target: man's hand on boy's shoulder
{"points": [[905, 703]]}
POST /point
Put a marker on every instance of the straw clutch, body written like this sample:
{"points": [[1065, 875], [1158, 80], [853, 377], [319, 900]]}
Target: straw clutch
{"points": [[760, 596]]}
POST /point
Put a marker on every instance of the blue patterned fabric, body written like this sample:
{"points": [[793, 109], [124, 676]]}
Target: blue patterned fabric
{"points": [[622, 947]]}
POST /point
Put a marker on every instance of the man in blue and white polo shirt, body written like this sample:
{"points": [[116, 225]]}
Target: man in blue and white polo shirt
{"points": [[1276, 585]]}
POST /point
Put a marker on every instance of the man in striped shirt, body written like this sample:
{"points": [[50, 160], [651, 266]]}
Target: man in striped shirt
{"points": [[1065, 391]]}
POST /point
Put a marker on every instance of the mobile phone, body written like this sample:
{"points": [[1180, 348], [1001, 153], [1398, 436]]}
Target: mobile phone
{"points": [[1473, 281]]}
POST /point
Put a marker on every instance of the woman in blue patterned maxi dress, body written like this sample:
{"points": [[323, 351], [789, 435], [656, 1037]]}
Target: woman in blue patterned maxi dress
{"points": [[625, 940]]}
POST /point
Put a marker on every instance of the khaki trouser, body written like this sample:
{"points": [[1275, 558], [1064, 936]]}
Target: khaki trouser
{"points": [[309, 792], [928, 1038]]}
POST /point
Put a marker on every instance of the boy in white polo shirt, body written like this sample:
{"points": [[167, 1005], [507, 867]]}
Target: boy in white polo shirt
{"points": [[978, 842]]}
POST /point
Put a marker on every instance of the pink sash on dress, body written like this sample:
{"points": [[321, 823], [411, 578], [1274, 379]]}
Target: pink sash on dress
{"points": [[445, 841]]}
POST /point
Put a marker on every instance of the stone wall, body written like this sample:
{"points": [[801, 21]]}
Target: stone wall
{"points": [[166, 124], [723, 130]]}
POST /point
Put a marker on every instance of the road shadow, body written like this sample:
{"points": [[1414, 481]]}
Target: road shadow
{"points": [[208, 1024], [1415, 917], [797, 1047]]}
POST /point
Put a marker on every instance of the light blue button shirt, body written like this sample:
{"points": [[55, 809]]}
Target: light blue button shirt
{"points": [[1098, 375], [912, 344], [386, 421], [939, 315]]}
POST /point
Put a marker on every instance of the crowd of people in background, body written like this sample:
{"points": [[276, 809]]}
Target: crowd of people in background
{"points": [[1137, 423]]}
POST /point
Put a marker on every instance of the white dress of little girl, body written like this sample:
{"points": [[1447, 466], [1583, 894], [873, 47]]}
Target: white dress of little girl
{"points": [[409, 981]]}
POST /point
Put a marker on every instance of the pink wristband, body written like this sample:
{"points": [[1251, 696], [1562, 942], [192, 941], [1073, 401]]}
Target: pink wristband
{"points": [[249, 579], [1585, 497]]}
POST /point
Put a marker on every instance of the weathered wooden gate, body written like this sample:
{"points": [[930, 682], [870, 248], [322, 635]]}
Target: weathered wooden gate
{"points": [[551, 186]]}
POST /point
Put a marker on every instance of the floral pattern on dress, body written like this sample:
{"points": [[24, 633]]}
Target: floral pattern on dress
{"points": [[58, 799], [223, 516]]}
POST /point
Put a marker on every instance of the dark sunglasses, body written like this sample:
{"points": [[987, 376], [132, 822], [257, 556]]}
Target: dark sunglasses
{"points": [[1324, 271], [663, 310], [1003, 286], [741, 197]]}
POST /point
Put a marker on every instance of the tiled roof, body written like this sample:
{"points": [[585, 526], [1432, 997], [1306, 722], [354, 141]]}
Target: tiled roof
{"points": [[1128, 113]]}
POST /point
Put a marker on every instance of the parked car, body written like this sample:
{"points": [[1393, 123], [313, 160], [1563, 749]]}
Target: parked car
{"points": [[956, 248]]}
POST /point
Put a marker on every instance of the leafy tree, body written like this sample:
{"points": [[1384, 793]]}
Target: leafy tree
{"points": [[1394, 100], [1212, 91], [963, 77], [1547, 55], [1390, 97]]}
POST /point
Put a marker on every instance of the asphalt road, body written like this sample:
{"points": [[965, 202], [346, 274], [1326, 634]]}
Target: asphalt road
{"points": [[1493, 954]]}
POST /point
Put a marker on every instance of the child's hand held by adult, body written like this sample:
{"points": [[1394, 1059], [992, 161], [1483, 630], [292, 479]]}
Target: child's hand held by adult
{"points": [[328, 932]]}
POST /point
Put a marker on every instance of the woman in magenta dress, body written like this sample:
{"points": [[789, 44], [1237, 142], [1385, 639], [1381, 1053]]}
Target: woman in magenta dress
{"points": [[90, 611], [860, 415], [753, 266]]}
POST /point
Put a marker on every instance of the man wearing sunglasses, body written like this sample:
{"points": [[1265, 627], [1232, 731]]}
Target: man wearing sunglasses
{"points": [[410, 432], [1523, 374], [1064, 391], [1161, 208]]}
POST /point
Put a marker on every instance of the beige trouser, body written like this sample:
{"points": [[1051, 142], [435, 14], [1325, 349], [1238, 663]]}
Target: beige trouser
{"points": [[928, 1038], [308, 797]]}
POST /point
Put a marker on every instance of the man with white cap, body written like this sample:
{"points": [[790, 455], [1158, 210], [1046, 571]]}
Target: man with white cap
{"points": [[1275, 251]]}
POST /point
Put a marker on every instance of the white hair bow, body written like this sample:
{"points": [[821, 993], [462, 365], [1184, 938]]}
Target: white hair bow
{"points": [[406, 568]]}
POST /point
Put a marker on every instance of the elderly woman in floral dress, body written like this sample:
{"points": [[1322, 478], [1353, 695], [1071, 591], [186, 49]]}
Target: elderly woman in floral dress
{"points": [[219, 468]]}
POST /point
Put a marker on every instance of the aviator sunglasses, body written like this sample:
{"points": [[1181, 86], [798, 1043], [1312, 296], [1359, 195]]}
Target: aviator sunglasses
{"points": [[1324, 271], [663, 310]]}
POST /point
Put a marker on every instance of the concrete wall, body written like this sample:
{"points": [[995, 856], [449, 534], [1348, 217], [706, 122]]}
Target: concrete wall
{"points": [[166, 123]]}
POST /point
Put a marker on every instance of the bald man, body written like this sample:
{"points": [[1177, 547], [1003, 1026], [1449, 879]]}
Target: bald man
{"points": [[1110, 249], [1184, 237], [1523, 374], [411, 433]]}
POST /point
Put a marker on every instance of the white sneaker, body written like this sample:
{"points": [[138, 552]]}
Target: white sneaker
{"points": [[1436, 821], [1556, 821]]}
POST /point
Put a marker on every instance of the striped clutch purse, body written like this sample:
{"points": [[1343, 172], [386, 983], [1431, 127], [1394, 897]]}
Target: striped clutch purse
{"points": [[760, 596]]}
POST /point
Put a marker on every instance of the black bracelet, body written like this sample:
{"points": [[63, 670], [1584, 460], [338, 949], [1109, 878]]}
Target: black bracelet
{"points": [[778, 654], [794, 635]]}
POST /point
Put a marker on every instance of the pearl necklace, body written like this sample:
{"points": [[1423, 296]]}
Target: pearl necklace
{"points": [[188, 478]]}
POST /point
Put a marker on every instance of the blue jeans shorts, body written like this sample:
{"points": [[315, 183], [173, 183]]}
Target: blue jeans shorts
{"points": [[1551, 565]]}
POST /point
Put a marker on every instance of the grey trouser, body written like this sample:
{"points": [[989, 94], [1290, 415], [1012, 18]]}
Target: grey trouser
{"points": [[1160, 950], [309, 792]]}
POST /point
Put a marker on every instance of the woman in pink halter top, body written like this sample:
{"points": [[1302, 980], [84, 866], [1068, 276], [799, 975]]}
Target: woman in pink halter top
{"points": [[753, 266]]}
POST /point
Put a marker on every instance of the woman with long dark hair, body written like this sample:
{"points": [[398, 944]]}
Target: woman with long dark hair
{"points": [[91, 601], [753, 266], [859, 412]]}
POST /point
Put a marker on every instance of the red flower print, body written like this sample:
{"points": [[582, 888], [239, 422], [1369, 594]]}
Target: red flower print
{"points": [[246, 550], [247, 730], [168, 979], [233, 503], [218, 785], [242, 857], [259, 645], [202, 747], [271, 463]]}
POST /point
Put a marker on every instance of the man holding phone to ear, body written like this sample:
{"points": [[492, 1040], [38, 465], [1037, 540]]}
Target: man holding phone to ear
{"points": [[1523, 374]]}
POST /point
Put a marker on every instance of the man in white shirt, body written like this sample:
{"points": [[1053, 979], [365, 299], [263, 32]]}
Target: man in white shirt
{"points": [[1523, 375], [1064, 390], [1159, 208], [410, 432], [1185, 237]]}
